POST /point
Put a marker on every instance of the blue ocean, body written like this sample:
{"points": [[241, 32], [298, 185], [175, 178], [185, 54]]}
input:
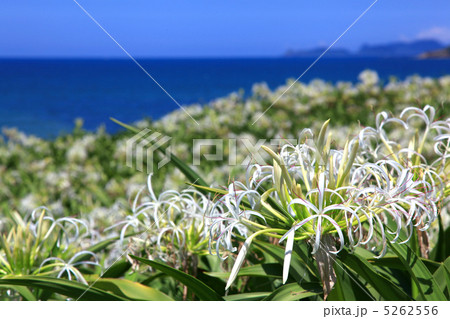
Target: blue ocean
{"points": [[44, 97]]}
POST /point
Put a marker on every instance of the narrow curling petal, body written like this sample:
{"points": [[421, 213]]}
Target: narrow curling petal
{"points": [[288, 255]]}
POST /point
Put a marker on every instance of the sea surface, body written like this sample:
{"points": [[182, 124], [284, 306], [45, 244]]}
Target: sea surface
{"points": [[44, 97]]}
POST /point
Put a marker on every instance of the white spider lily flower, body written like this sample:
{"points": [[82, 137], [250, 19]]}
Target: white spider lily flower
{"points": [[173, 221], [221, 231], [71, 232], [432, 178], [406, 191], [70, 267], [156, 205], [318, 213], [260, 175], [130, 221], [442, 149], [227, 217], [177, 234], [397, 194], [224, 227], [372, 184], [196, 203], [381, 120], [367, 134], [422, 114]]}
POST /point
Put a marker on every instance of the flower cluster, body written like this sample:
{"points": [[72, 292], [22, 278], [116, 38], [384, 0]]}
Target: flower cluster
{"points": [[376, 190], [170, 226], [386, 183], [43, 245], [55, 172]]}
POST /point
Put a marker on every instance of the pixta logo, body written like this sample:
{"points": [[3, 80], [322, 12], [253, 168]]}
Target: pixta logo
{"points": [[141, 148]]}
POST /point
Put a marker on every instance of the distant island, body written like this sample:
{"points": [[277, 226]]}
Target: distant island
{"points": [[333, 53], [436, 54], [418, 48]]}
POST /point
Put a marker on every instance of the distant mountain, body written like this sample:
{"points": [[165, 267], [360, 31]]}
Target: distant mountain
{"points": [[436, 54], [314, 53], [400, 49], [387, 50]]}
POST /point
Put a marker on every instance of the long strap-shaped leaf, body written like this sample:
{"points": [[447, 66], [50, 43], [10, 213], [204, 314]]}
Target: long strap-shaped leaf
{"points": [[442, 248], [201, 290], [298, 269], [348, 287], [292, 292], [23, 291], [131, 290], [382, 285], [185, 169], [442, 276], [428, 287], [270, 270], [395, 263], [64, 287], [248, 296]]}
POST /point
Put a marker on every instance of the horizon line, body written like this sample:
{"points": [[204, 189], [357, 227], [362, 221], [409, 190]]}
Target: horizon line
{"points": [[212, 57]]}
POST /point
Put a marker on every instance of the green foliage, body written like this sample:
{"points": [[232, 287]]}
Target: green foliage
{"points": [[130, 290], [117, 252], [63, 287], [201, 290]]}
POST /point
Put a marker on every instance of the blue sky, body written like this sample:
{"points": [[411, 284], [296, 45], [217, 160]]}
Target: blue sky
{"points": [[193, 28]]}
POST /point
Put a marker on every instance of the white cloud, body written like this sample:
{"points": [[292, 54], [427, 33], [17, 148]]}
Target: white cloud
{"points": [[438, 33]]}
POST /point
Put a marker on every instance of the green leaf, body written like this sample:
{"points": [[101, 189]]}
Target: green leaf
{"points": [[131, 290], [382, 285], [247, 296], [293, 291], [185, 169], [128, 127], [442, 248], [151, 278], [395, 263], [208, 189], [99, 194], [428, 288], [270, 270], [442, 276], [304, 252], [64, 287], [201, 290], [22, 290], [117, 270], [298, 270], [215, 283]]}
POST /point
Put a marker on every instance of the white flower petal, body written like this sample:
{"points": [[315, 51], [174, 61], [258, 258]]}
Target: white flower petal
{"points": [[238, 263], [288, 255]]}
